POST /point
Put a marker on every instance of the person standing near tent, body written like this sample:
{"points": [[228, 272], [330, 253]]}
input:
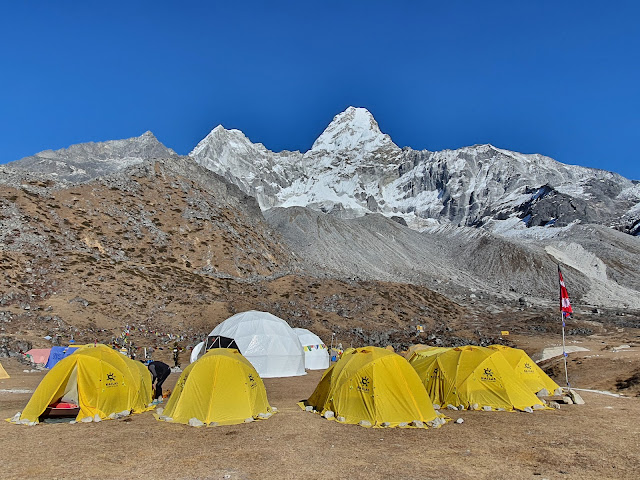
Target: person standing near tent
{"points": [[159, 372]]}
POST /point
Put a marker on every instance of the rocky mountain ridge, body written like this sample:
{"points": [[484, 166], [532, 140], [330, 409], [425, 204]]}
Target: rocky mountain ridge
{"points": [[85, 161]]}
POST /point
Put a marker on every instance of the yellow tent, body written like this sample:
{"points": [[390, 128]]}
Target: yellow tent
{"points": [[475, 377], [220, 388], [424, 350], [372, 386], [3, 373], [527, 370], [101, 381]]}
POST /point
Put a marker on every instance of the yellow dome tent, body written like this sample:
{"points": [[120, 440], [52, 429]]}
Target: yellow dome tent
{"points": [[220, 388], [3, 373], [372, 386], [527, 370], [475, 377], [102, 382], [424, 349]]}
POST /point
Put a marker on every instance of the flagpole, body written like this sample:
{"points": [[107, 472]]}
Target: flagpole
{"points": [[565, 310], [564, 354]]}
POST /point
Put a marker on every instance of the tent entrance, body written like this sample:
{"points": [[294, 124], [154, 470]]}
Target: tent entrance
{"points": [[67, 405], [218, 341]]}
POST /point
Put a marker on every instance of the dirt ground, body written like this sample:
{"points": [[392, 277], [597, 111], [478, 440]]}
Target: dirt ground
{"points": [[598, 440]]}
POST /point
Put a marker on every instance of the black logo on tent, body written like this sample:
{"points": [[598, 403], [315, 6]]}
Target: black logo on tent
{"points": [[488, 375], [527, 367], [111, 380], [252, 381], [364, 384]]}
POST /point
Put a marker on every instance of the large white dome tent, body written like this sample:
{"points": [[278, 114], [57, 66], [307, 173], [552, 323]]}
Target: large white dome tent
{"points": [[267, 341], [316, 355]]}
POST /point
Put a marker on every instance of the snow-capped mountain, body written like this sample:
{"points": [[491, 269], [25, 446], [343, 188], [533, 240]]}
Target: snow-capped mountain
{"points": [[353, 169]]}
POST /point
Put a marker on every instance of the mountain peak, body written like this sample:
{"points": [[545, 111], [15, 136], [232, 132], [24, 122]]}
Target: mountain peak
{"points": [[353, 129]]}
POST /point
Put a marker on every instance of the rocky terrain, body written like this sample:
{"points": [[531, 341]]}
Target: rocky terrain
{"points": [[170, 248], [105, 237]]}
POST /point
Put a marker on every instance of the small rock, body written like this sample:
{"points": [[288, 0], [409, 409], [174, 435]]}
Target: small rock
{"points": [[576, 398], [264, 416], [385, 424], [249, 420], [309, 408], [194, 422], [159, 410], [486, 408], [87, 420], [364, 423], [97, 418], [461, 407], [417, 424], [460, 420], [328, 414], [554, 405], [528, 409], [341, 419], [403, 424], [274, 409], [213, 424], [537, 406], [500, 409], [72, 422], [436, 406], [451, 407], [543, 393], [567, 400], [474, 406]]}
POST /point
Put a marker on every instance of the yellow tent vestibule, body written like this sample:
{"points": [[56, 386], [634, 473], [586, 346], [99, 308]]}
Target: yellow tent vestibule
{"points": [[100, 381], [373, 386], [220, 388], [527, 370], [474, 377]]}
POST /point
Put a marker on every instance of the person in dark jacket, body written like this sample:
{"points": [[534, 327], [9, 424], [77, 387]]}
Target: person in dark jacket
{"points": [[159, 371]]}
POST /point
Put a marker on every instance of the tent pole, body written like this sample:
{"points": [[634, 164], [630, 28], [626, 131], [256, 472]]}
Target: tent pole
{"points": [[564, 354]]}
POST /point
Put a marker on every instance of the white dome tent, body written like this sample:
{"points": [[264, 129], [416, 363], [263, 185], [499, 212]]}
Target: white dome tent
{"points": [[197, 352], [267, 341], [316, 354]]}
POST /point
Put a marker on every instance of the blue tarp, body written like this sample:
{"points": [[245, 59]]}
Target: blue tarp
{"points": [[58, 353]]}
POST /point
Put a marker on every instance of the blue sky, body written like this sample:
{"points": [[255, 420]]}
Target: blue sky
{"points": [[557, 78]]}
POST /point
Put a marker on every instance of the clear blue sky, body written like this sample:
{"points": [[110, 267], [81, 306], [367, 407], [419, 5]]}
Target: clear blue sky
{"points": [[559, 78]]}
